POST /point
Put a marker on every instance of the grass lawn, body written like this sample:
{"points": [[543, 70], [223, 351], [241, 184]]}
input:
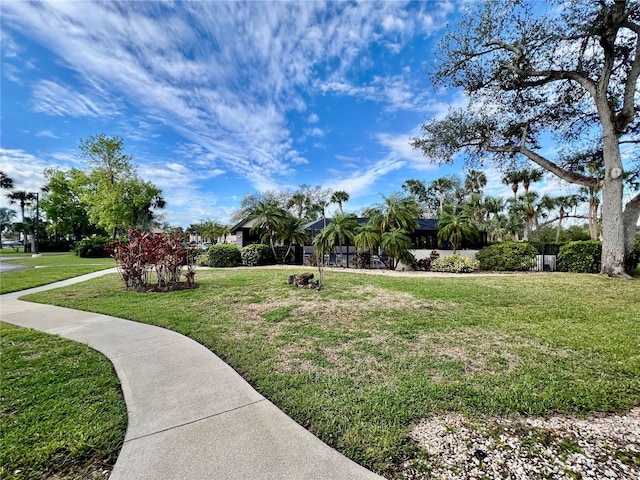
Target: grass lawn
{"points": [[361, 362], [63, 415], [49, 268]]}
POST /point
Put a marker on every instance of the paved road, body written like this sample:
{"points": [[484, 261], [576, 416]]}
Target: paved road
{"points": [[190, 415]]}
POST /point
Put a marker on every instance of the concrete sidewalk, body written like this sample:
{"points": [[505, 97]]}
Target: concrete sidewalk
{"points": [[191, 416]]}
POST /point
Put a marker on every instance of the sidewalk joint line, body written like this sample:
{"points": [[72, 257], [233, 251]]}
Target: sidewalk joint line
{"points": [[195, 421]]}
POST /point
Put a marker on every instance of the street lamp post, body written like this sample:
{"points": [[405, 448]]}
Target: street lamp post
{"points": [[37, 221]]}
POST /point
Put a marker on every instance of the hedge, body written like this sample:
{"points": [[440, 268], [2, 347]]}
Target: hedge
{"points": [[580, 257], [507, 256]]}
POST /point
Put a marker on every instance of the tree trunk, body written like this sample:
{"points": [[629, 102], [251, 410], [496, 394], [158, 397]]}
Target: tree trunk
{"points": [[613, 238]]}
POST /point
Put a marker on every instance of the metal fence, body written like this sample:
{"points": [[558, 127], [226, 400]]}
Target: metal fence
{"points": [[546, 258]]}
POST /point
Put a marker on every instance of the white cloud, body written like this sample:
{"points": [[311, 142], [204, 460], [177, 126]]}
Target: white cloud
{"points": [[26, 171], [54, 99], [46, 133], [313, 118]]}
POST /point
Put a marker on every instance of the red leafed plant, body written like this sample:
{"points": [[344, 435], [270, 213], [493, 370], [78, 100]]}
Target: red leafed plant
{"points": [[144, 253]]}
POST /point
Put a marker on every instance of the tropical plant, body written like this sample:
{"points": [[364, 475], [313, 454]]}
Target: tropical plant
{"points": [[396, 243], [267, 218], [455, 226], [341, 229], [224, 255], [291, 232], [442, 185], [395, 211], [339, 197], [367, 237], [22, 199], [475, 181]]}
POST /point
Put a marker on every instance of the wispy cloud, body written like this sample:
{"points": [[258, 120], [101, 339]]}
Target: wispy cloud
{"points": [[54, 99], [221, 74]]}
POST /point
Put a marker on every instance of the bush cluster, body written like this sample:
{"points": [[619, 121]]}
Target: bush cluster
{"points": [[507, 256], [256, 255], [580, 257], [425, 263], [54, 246], [455, 263], [96, 247], [144, 253], [221, 255]]}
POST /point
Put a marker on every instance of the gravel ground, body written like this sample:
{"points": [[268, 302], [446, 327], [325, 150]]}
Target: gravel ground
{"points": [[525, 448]]}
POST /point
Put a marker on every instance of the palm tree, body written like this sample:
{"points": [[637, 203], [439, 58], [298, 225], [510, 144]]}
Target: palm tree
{"points": [[475, 181], [513, 180], [6, 218], [22, 199], [6, 182], [291, 231], [396, 243], [530, 175], [300, 201], [267, 217], [455, 225], [367, 237], [442, 185], [339, 197], [527, 206], [342, 228], [396, 211]]}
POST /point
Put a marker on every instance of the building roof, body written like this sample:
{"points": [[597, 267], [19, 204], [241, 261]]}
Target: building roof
{"points": [[427, 224]]}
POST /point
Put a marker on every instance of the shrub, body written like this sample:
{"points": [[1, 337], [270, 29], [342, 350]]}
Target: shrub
{"points": [[507, 256], [425, 263], [224, 255], [362, 259], [455, 263], [257, 254], [580, 257], [54, 246], [96, 247], [143, 252]]}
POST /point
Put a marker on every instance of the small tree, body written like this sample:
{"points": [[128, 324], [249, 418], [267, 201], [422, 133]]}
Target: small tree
{"points": [[456, 226]]}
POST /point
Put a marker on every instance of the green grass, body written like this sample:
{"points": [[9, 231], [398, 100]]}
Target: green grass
{"points": [[49, 268], [360, 362], [63, 414]]}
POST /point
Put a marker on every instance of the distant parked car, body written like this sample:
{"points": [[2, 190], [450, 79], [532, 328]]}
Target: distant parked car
{"points": [[15, 244]]}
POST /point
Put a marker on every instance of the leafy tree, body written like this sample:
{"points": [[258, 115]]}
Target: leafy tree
{"points": [[455, 226], [22, 199], [339, 197], [116, 197], [63, 206], [6, 182], [569, 73], [6, 218]]}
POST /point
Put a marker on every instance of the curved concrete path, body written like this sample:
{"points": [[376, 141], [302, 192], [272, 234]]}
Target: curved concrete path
{"points": [[191, 416]]}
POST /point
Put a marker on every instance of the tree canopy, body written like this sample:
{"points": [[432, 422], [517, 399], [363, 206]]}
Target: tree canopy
{"points": [[568, 74]]}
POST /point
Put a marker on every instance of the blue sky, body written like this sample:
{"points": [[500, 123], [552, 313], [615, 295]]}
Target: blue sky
{"points": [[218, 99]]}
